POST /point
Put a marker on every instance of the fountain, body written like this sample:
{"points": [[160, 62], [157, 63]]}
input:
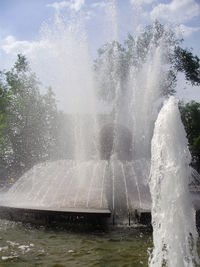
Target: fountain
{"points": [[109, 166], [107, 175], [172, 206]]}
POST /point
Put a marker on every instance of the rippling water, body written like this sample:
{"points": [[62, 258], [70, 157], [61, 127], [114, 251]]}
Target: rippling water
{"points": [[24, 245]]}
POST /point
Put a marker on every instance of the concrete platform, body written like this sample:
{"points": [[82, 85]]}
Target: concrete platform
{"points": [[58, 216]]}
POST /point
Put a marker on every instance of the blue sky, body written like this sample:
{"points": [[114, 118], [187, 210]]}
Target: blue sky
{"points": [[20, 22], [23, 18]]}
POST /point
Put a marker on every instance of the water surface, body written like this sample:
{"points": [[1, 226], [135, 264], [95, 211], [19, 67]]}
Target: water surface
{"points": [[25, 245]]}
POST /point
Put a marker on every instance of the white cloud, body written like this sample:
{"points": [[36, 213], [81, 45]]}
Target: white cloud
{"points": [[177, 11], [89, 15], [142, 2], [101, 4], [10, 45], [185, 31], [75, 5], [58, 5]]}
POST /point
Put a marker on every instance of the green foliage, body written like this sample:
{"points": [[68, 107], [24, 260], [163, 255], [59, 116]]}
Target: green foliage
{"points": [[190, 114], [4, 102], [111, 66], [21, 65], [185, 61], [115, 60], [27, 118]]}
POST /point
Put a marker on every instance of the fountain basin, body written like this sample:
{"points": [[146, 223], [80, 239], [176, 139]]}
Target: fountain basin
{"points": [[49, 215], [97, 190], [91, 189]]}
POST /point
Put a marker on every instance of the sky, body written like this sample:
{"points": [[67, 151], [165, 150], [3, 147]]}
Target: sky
{"points": [[21, 21]]}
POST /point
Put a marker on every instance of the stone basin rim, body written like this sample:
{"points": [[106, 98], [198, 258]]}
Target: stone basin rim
{"points": [[78, 211]]}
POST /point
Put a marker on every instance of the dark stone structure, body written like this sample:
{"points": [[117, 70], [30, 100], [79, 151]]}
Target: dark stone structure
{"points": [[61, 217], [115, 139]]}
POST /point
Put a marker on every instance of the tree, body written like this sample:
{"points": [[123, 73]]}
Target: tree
{"points": [[50, 123], [29, 120], [4, 100], [111, 67], [190, 114], [115, 60], [184, 61]]}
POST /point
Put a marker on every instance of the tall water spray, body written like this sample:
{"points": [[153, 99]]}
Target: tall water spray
{"points": [[117, 178], [133, 87], [63, 61], [146, 98], [173, 215]]}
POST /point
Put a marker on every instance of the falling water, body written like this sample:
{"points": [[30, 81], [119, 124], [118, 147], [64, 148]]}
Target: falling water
{"points": [[64, 63], [118, 182], [145, 106], [173, 216]]}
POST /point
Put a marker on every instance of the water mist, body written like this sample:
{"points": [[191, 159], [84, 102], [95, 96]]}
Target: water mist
{"points": [[173, 215], [117, 182]]}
